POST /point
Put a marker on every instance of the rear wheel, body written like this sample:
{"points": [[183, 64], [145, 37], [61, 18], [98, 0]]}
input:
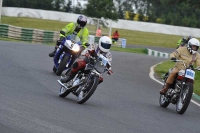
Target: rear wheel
{"points": [[62, 65], [184, 98]]}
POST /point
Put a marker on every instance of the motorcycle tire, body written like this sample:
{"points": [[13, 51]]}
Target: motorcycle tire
{"points": [[91, 89], [163, 100], [63, 93], [187, 99], [54, 69], [62, 65]]}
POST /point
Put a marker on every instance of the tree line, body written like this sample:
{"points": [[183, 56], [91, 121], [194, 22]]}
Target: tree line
{"points": [[172, 12]]}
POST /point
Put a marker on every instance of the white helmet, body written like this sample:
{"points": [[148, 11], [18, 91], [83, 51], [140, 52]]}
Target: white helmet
{"points": [[105, 44], [193, 42]]}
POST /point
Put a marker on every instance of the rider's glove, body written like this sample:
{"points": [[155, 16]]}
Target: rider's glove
{"points": [[110, 72], [173, 59], [93, 53], [87, 55]]}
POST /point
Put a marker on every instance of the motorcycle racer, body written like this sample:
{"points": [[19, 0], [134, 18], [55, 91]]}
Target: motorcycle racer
{"points": [[94, 50], [78, 29], [188, 54]]}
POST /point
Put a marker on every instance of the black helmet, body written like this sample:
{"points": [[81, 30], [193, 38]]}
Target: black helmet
{"points": [[82, 20], [189, 37], [184, 38]]}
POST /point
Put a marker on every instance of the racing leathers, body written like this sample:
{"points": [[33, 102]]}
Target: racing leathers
{"points": [[183, 54]]}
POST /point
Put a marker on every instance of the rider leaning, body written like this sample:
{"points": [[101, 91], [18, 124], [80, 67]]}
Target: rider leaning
{"points": [[78, 29], [93, 50], [187, 54]]}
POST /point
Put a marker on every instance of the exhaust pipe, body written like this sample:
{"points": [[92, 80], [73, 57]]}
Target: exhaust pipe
{"points": [[62, 84]]}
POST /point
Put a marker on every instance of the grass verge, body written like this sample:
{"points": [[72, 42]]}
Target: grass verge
{"points": [[132, 37], [129, 50], [114, 48], [161, 69]]}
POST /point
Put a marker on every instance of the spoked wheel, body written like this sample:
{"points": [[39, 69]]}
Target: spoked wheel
{"points": [[184, 99], [63, 92], [163, 101], [86, 93]]}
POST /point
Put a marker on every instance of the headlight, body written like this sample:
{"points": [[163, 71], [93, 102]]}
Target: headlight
{"points": [[76, 48]]}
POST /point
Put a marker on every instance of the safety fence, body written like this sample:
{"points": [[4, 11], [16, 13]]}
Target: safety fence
{"points": [[28, 34], [40, 36]]}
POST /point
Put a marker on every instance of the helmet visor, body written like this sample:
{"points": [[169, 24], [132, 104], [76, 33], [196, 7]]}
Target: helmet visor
{"points": [[105, 45]]}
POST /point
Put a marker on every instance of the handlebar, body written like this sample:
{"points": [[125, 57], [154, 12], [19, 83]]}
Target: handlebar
{"points": [[197, 68]]}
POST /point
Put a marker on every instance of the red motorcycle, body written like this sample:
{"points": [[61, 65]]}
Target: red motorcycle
{"points": [[181, 90]]}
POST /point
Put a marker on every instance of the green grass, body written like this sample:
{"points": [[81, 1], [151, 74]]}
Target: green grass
{"points": [[114, 48], [161, 69], [129, 50], [132, 37]]}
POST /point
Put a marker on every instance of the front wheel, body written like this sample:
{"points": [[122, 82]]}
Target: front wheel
{"points": [[63, 92], [163, 101], [184, 98], [54, 69], [62, 65], [85, 94]]}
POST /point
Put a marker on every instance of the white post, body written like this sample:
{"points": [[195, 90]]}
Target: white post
{"points": [[110, 30], [97, 24], [1, 1]]}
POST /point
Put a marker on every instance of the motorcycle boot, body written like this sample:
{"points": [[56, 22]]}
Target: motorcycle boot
{"points": [[164, 90], [68, 77], [52, 53]]}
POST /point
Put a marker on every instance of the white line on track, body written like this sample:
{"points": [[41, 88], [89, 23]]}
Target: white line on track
{"points": [[152, 77]]}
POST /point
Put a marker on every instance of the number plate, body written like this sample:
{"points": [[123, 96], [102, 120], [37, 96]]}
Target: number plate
{"points": [[190, 74], [104, 59]]}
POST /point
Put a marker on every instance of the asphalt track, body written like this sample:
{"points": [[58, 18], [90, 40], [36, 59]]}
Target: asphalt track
{"points": [[126, 102]]}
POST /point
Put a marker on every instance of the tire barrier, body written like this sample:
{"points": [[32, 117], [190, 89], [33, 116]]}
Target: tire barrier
{"points": [[28, 34], [155, 53]]}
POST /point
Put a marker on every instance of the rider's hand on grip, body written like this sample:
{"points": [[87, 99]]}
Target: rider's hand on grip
{"points": [[110, 72], [87, 55], [92, 53], [173, 59]]}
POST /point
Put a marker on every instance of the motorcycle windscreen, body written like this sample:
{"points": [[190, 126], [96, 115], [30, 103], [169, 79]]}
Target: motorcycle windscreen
{"points": [[89, 67], [99, 66], [73, 37]]}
